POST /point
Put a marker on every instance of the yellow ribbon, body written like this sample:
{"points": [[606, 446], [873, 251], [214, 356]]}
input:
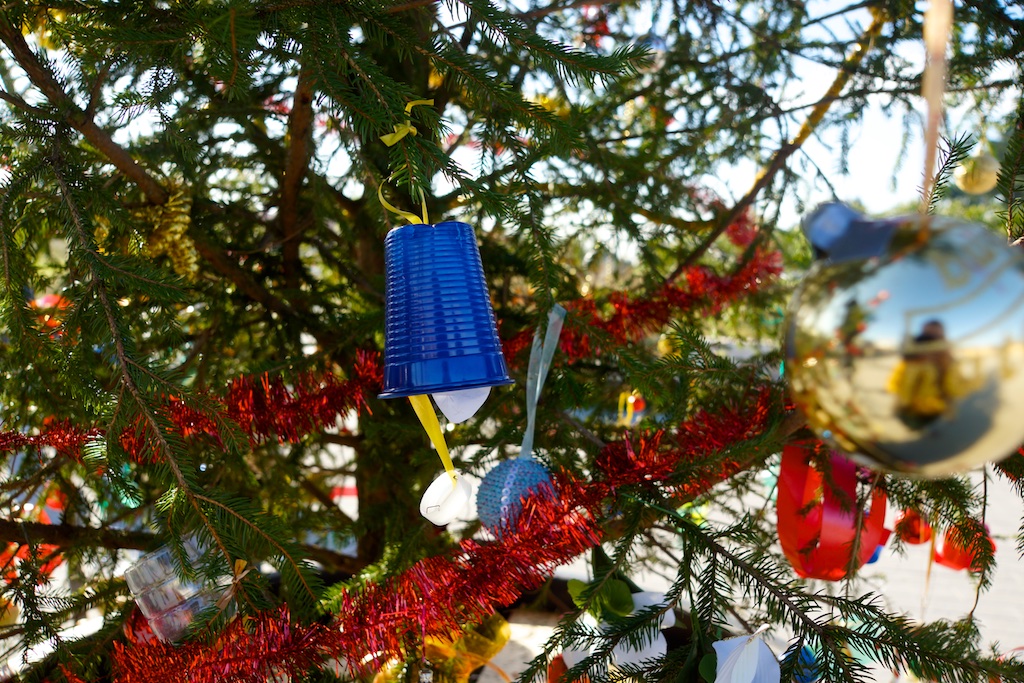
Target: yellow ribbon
{"points": [[428, 418], [391, 139], [403, 129], [411, 217]]}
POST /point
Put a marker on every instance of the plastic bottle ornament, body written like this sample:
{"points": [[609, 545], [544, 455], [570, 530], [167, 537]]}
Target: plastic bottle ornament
{"points": [[440, 333], [912, 528], [446, 499], [624, 654], [818, 526], [954, 555], [746, 659], [978, 174], [904, 341], [169, 603], [499, 498], [656, 647], [572, 656]]}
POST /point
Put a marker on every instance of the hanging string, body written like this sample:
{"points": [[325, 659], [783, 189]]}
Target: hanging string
{"points": [[938, 21], [540, 362]]}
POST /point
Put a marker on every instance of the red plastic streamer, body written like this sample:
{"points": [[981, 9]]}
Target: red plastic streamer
{"points": [[817, 520], [439, 595]]}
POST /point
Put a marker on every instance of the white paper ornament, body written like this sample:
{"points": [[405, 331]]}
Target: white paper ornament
{"points": [[746, 659], [623, 654], [444, 501], [459, 406]]}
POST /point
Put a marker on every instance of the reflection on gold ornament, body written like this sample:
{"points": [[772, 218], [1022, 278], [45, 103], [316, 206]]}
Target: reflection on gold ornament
{"points": [[666, 347], [901, 357], [41, 23], [978, 174]]}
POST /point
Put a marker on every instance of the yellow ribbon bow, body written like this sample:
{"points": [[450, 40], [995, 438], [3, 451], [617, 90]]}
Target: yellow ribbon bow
{"points": [[403, 129]]}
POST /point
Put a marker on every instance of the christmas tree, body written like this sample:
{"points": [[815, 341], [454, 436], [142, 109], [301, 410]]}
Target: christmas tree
{"points": [[196, 197]]}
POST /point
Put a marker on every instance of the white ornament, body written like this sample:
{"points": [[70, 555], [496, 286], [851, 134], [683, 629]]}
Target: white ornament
{"points": [[459, 406], [444, 501], [746, 659]]}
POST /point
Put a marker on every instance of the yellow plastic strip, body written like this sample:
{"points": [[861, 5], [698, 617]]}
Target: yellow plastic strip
{"points": [[411, 217], [403, 129], [428, 418]]}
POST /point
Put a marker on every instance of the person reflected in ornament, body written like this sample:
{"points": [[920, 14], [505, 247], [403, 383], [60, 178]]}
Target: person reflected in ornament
{"points": [[855, 321], [927, 379]]}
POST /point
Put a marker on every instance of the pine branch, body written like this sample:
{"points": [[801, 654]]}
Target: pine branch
{"points": [[299, 570], [127, 365], [778, 161], [41, 76]]}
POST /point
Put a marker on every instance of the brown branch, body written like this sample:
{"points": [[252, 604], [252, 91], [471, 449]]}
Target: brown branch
{"points": [[67, 535], [300, 137], [224, 265], [40, 75]]}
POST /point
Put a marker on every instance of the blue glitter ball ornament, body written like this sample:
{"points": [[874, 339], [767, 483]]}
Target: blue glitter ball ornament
{"points": [[499, 497]]}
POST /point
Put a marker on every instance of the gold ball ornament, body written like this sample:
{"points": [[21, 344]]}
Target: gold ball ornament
{"points": [[978, 174], [905, 346]]}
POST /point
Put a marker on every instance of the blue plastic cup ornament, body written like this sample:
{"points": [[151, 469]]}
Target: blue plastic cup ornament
{"points": [[440, 332]]}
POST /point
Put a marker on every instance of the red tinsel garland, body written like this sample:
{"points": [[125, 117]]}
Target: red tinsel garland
{"points": [[261, 406], [632, 318], [439, 595]]}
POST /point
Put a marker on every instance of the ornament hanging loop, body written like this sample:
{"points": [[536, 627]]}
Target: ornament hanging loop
{"points": [[541, 355]]}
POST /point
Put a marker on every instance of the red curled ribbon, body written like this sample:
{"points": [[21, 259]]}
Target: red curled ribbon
{"points": [[817, 524]]}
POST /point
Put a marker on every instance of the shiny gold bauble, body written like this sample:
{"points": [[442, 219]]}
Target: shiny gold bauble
{"points": [[913, 360], [978, 174]]}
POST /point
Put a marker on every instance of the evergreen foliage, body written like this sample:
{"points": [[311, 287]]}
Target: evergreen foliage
{"points": [[198, 181]]}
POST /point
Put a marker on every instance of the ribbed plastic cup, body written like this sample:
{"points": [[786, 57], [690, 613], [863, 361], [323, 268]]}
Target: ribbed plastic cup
{"points": [[440, 333]]}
